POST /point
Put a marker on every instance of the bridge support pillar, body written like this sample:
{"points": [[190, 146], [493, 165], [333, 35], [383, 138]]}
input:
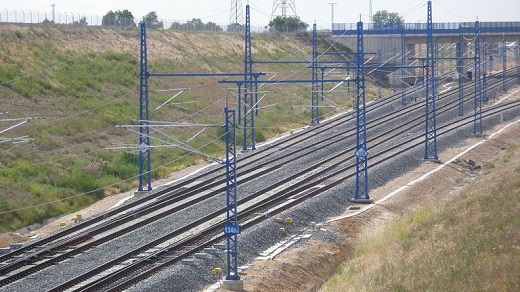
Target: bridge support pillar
{"points": [[410, 48]]}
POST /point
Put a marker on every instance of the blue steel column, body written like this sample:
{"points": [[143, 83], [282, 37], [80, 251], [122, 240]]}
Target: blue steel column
{"points": [[517, 62], [256, 94], [232, 228], [145, 179], [315, 119], [379, 75], [322, 92], [460, 70], [403, 63], [249, 115], [477, 120], [430, 149], [361, 195], [504, 60], [239, 99], [348, 74], [484, 73]]}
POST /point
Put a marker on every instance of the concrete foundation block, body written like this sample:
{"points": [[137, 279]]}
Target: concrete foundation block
{"points": [[233, 285]]}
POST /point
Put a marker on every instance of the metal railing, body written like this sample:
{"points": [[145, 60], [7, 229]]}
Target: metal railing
{"points": [[447, 27]]}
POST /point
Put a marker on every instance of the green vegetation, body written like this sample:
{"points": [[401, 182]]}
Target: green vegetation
{"points": [[468, 243], [78, 83], [287, 24], [119, 18], [384, 19]]}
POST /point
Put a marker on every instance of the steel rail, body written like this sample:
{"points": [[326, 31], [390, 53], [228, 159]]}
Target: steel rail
{"points": [[266, 204]]}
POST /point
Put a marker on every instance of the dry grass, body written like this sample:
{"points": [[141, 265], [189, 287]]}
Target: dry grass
{"points": [[468, 243]]}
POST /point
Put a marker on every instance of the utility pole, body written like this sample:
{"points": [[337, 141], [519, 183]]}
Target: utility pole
{"points": [[53, 13], [370, 15], [332, 15]]}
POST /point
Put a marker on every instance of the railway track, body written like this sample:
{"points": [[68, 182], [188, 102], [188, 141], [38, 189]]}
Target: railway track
{"points": [[164, 201], [304, 189]]}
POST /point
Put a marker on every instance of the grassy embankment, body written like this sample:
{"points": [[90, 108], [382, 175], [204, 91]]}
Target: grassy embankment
{"points": [[470, 242], [80, 82]]}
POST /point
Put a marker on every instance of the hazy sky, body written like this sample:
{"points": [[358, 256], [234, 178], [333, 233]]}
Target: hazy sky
{"points": [[308, 10]]}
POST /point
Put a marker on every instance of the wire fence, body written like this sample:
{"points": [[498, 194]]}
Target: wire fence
{"points": [[28, 17]]}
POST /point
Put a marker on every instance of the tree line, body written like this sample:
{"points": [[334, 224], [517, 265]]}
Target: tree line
{"points": [[382, 20], [126, 18]]}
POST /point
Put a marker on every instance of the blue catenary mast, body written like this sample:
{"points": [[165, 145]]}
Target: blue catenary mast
{"points": [[361, 192], [504, 61], [256, 94], [322, 91], [144, 176], [460, 70], [477, 119], [430, 149], [315, 119], [379, 74], [517, 62], [248, 101], [484, 88], [232, 229], [239, 101], [403, 63]]}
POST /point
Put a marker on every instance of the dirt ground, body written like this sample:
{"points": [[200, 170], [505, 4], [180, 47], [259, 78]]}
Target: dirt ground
{"points": [[308, 266]]}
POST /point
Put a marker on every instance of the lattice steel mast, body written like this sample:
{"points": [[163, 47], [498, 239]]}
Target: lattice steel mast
{"points": [[460, 70], [504, 63], [236, 15], [283, 5], [430, 149], [361, 192], [315, 119], [248, 101], [403, 63], [232, 229], [145, 169], [477, 120]]}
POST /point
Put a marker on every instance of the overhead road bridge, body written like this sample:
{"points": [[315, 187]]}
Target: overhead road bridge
{"points": [[410, 38], [453, 28]]}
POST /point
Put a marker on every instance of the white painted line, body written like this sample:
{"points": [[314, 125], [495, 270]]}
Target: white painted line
{"points": [[278, 248], [442, 91], [507, 96], [190, 174], [121, 202], [395, 192]]}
